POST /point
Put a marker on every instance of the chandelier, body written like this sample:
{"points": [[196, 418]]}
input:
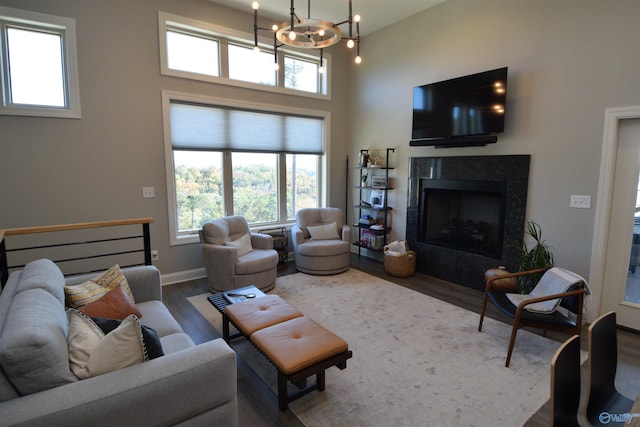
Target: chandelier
{"points": [[309, 33]]}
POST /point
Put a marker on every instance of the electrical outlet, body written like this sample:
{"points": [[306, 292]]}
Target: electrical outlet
{"points": [[154, 255], [581, 202], [148, 192]]}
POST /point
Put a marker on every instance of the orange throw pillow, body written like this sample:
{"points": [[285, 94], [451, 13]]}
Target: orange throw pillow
{"points": [[115, 304]]}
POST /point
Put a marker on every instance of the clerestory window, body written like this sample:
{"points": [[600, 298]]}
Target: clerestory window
{"points": [[202, 51], [38, 65]]}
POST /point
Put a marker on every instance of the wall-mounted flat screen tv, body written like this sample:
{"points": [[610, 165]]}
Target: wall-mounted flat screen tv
{"points": [[448, 112]]}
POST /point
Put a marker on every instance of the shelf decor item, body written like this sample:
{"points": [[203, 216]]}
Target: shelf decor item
{"points": [[379, 181], [376, 199]]}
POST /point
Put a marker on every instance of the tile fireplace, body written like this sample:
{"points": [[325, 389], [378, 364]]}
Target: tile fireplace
{"points": [[465, 213]]}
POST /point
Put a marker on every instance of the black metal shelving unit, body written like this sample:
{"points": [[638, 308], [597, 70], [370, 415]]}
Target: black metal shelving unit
{"points": [[380, 174]]}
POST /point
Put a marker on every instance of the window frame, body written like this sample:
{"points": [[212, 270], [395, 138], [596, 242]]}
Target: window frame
{"points": [[34, 21], [224, 35], [168, 96]]}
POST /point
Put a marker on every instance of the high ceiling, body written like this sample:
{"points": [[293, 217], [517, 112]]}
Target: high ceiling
{"points": [[375, 14]]}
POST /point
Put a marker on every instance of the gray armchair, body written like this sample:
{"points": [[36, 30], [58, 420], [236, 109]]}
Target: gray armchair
{"points": [[234, 257], [321, 242]]}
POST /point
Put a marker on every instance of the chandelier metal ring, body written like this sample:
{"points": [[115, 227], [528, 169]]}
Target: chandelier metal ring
{"points": [[310, 33]]}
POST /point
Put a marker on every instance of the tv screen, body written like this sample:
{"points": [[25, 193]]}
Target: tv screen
{"points": [[465, 106]]}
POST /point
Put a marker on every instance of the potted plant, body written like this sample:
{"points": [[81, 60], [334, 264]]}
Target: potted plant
{"points": [[539, 255]]}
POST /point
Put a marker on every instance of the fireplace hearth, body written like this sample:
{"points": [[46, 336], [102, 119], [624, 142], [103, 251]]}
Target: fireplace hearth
{"points": [[465, 214]]}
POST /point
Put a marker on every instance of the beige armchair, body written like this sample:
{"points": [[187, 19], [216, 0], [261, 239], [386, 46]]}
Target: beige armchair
{"points": [[234, 257], [321, 242]]}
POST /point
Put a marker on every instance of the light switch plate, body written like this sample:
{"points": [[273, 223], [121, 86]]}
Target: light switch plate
{"points": [[581, 202], [148, 192]]}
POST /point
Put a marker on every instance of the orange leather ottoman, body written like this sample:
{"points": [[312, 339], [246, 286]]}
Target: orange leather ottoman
{"points": [[300, 348], [252, 315]]}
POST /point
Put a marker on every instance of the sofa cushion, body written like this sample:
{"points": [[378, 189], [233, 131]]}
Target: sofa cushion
{"points": [[43, 274], [33, 345], [156, 315]]}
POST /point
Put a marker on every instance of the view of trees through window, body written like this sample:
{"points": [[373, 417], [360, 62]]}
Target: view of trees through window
{"points": [[200, 186]]}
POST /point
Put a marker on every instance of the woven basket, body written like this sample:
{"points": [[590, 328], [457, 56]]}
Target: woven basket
{"points": [[400, 266]]}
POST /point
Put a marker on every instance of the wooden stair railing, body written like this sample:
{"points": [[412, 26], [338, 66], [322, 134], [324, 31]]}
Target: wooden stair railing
{"points": [[102, 247]]}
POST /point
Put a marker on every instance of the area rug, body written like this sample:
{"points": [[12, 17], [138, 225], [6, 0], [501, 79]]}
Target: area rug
{"points": [[416, 360]]}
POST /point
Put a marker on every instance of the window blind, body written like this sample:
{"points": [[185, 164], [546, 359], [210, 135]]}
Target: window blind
{"points": [[216, 128]]}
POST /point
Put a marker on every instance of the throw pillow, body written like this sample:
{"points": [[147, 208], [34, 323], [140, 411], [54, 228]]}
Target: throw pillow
{"points": [[92, 352], [82, 339], [112, 278], [152, 344], [242, 244], [108, 295], [324, 232], [118, 349], [115, 304]]}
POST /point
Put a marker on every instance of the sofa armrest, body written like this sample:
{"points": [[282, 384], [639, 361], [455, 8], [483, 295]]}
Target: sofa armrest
{"points": [[145, 282], [196, 382]]}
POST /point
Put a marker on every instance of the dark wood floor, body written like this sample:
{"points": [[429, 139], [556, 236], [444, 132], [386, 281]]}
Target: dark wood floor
{"points": [[258, 405]]}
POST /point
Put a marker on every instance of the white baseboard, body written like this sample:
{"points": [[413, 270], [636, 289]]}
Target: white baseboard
{"points": [[183, 276]]}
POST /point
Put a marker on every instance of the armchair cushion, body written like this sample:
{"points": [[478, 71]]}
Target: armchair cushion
{"points": [[324, 232], [242, 244]]}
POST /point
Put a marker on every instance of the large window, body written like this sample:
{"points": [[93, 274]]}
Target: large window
{"points": [[202, 51], [38, 65], [231, 158]]}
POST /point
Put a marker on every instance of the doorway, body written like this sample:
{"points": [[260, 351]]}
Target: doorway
{"points": [[616, 247]]}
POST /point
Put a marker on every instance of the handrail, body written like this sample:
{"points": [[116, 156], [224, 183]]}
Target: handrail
{"points": [[76, 226], [145, 236]]}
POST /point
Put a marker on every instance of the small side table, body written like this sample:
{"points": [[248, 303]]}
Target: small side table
{"points": [[280, 242]]}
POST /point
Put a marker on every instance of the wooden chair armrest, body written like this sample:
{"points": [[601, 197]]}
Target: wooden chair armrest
{"points": [[580, 291], [516, 274]]}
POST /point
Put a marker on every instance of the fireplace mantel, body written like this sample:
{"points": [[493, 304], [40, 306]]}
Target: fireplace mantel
{"points": [[459, 266]]}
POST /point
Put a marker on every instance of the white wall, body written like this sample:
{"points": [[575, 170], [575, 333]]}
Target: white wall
{"points": [[59, 171], [568, 60]]}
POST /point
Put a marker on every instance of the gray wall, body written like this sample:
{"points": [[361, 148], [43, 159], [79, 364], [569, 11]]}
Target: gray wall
{"points": [[58, 171], [568, 60]]}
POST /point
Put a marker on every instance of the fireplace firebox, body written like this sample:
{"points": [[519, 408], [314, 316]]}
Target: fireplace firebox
{"points": [[466, 214], [463, 215]]}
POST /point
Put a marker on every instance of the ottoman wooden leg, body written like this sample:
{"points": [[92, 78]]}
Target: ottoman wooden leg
{"points": [[283, 393], [320, 380]]}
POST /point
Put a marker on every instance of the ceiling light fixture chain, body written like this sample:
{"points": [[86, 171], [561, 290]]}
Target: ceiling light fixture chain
{"points": [[309, 33]]}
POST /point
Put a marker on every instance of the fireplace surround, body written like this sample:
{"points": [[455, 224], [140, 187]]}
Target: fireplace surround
{"points": [[465, 214]]}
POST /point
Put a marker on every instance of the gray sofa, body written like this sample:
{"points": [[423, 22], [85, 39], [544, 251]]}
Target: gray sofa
{"points": [[190, 385]]}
